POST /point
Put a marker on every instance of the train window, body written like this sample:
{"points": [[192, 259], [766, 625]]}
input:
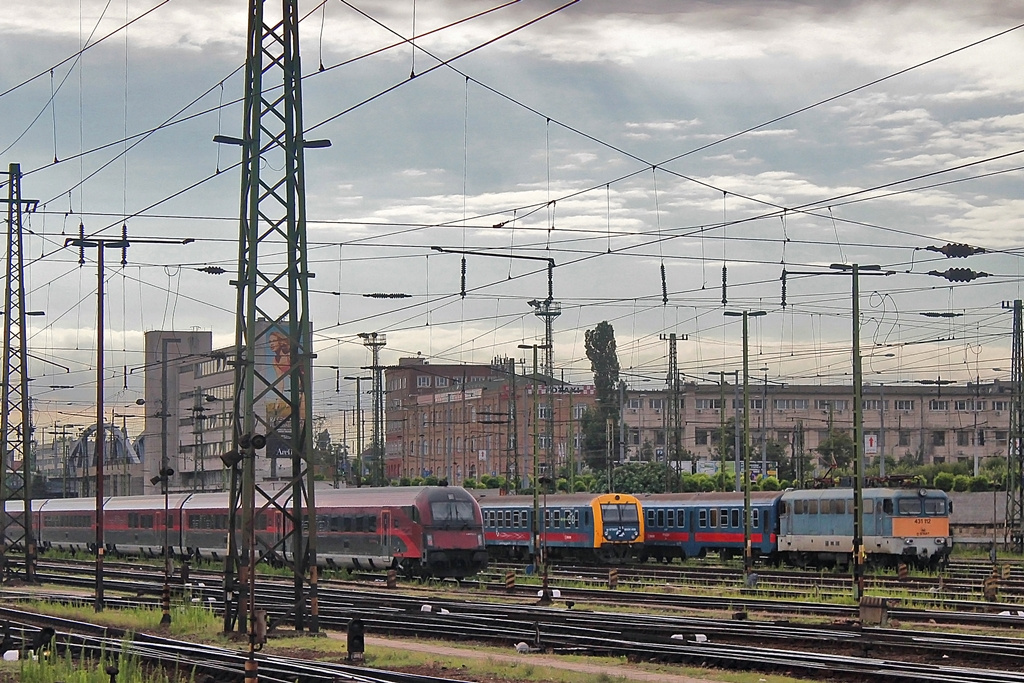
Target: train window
{"points": [[714, 519], [934, 506], [755, 522], [207, 521], [825, 506], [651, 517], [610, 513], [887, 506], [735, 520], [347, 523], [193, 521], [783, 508], [558, 519], [812, 507], [508, 518], [372, 525], [702, 518], [670, 517], [133, 520], [682, 518], [869, 506], [841, 506], [586, 517], [661, 518], [909, 506], [547, 518], [516, 516]]}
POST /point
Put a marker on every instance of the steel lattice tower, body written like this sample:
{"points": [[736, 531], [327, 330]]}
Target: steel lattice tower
{"points": [[673, 441], [16, 415], [1014, 452], [273, 361]]}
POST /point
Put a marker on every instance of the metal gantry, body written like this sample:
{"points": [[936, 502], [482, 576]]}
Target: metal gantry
{"points": [[16, 413], [273, 350]]}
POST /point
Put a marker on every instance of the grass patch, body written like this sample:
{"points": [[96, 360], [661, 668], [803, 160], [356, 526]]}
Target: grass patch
{"points": [[52, 667]]}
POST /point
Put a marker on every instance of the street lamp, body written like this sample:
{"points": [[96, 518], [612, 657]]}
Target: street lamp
{"points": [[748, 558], [162, 478], [537, 549]]}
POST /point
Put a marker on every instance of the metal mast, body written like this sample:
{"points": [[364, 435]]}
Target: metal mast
{"points": [[16, 415], [673, 441], [273, 351], [548, 310], [375, 341], [1014, 452]]}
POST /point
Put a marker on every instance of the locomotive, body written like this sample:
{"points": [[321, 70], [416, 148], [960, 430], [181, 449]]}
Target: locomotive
{"points": [[424, 531]]}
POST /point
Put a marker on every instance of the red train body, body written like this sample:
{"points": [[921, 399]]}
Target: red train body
{"points": [[421, 531]]}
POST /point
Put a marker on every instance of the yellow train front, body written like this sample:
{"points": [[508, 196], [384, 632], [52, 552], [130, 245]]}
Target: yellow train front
{"points": [[578, 527]]}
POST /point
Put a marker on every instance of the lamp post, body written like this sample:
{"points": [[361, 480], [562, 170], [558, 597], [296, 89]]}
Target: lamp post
{"points": [[748, 558], [537, 550]]}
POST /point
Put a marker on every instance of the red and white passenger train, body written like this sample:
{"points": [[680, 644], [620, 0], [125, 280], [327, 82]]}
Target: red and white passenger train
{"points": [[427, 531]]}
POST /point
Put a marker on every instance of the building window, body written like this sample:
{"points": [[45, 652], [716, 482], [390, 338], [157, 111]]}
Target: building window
{"points": [[757, 404], [578, 410], [423, 380], [1000, 405], [709, 403], [633, 404], [440, 381], [702, 437], [659, 438], [1001, 437], [904, 439], [874, 404], [791, 403], [904, 405], [825, 404], [968, 406], [544, 441], [963, 438], [938, 405], [543, 412], [938, 438], [655, 403]]}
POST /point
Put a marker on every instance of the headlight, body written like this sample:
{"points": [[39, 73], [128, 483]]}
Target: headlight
{"points": [[480, 539], [430, 539], [908, 541], [940, 541]]}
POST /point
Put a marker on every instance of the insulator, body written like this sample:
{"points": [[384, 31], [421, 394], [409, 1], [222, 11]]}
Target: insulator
{"points": [[956, 250], [463, 277], [124, 249], [783, 288], [664, 287], [959, 274], [81, 243], [725, 277], [212, 270]]}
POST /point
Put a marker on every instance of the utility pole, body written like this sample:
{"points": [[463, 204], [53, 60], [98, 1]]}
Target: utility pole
{"points": [[272, 314], [674, 441], [16, 437], [547, 310], [359, 428], [101, 245], [748, 557], [1014, 451]]}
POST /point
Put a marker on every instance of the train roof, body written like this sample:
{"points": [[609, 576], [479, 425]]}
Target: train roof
{"points": [[388, 495], [174, 501], [552, 499], [834, 493], [709, 497]]}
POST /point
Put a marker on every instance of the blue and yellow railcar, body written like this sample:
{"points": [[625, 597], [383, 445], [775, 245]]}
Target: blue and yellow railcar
{"points": [[576, 527]]}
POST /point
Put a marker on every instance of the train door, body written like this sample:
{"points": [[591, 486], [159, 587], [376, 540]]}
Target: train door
{"points": [[385, 531]]}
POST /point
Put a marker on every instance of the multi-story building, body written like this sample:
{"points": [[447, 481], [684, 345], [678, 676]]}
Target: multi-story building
{"points": [[460, 422]]}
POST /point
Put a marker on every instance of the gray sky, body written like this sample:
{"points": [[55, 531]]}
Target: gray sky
{"points": [[608, 136]]}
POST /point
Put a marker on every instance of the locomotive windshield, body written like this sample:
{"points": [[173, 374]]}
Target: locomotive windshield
{"points": [[620, 513], [921, 506], [452, 511]]}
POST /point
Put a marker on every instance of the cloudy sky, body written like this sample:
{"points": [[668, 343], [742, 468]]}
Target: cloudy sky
{"points": [[618, 139]]}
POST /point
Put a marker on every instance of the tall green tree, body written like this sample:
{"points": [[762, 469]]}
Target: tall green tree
{"points": [[604, 362]]}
